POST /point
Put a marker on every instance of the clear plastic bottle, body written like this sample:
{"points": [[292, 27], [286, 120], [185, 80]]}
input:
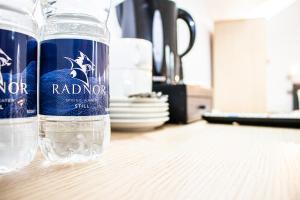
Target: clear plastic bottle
{"points": [[74, 89], [18, 84]]}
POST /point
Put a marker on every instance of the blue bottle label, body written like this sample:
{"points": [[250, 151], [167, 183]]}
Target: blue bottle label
{"points": [[74, 78], [18, 75]]}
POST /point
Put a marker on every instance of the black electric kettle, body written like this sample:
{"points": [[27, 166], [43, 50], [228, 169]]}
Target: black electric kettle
{"points": [[156, 21]]}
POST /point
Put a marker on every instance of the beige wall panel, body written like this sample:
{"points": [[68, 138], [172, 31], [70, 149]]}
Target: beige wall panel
{"points": [[240, 64]]}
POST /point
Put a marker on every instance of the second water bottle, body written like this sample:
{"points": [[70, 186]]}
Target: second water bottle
{"points": [[74, 90]]}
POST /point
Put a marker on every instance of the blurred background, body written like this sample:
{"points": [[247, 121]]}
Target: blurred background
{"points": [[252, 46], [246, 50], [256, 56]]}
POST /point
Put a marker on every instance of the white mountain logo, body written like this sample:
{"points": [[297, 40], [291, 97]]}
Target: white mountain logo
{"points": [[5, 61], [80, 68]]}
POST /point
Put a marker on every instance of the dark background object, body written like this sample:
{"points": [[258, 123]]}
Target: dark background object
{"points": [[156, 21], [135, 18], [296, 87], [187, 103], [253, 121]]}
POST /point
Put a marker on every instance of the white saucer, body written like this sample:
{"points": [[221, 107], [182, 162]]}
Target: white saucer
{"points": [[138, 105], [138, 110], [139, 100], [139, 115], [138, 125]]}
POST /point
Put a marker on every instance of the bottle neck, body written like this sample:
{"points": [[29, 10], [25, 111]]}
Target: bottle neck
{"points": [[75, 26]]}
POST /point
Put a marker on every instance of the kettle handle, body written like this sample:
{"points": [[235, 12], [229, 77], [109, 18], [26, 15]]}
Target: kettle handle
{"points": [[185, 16]]}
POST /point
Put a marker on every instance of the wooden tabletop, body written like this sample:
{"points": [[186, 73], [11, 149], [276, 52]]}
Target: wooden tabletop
{"points": [[196, 161]]}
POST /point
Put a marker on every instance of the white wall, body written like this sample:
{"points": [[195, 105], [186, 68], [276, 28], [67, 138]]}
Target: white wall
{"points": [[197, 64], [284, 51]]}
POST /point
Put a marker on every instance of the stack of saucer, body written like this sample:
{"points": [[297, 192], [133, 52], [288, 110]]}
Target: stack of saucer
{"points": [[138, 113]]}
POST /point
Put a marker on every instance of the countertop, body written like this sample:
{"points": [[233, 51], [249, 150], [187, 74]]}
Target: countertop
{"points": [[197, 161]]}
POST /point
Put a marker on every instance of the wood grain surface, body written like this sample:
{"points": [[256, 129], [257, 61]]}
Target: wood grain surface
{"points": [[196, 161]]}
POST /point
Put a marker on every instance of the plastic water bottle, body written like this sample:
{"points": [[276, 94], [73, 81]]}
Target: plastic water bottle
{"points": [[18, 84], [74, 85]]}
